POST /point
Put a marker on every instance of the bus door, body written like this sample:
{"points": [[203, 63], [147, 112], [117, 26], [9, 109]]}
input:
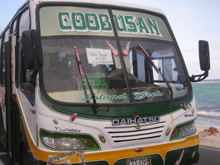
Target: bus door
{"points": [[2, 95], [5, 94]]}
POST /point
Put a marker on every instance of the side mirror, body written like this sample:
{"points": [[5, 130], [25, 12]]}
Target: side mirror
{"points": [[204, 58], [28, 51], [32, 49], [204, 55]]}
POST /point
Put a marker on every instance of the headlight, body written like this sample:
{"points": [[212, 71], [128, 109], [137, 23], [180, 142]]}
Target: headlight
{"points": [[63, 143], [187, 130], [66, 141], [183, 131]]}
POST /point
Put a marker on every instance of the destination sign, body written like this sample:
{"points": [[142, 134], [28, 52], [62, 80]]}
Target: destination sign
{"points": [[70, 20], [85, 22]]}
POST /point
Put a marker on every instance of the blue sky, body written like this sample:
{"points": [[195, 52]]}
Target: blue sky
{"points": [[191, 21]]}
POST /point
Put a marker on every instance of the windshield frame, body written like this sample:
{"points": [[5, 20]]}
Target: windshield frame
{"points": [[110, 8]]}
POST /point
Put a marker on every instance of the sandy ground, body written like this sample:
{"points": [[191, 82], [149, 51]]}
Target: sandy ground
{"points": [[209, 138]]}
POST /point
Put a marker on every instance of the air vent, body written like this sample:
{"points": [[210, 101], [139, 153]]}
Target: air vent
{"points": [[134, 133]]}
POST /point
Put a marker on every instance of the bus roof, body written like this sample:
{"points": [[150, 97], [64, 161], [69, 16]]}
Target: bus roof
{"points": [[105, 2], [33, 3]]}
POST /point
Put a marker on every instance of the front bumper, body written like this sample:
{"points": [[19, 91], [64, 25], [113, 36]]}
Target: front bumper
{"points": [[185, 151]]}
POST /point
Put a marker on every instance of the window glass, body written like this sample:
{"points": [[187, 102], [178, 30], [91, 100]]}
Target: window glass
{"points": [[155, 71], [3, 66], [0, 45], [25, 73], [24, 23], [6, 38], [1, 54], [80, 50], [14, 26]]}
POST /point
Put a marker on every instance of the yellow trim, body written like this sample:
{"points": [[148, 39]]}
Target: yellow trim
{"points": [[37, 153], [112, 156]]}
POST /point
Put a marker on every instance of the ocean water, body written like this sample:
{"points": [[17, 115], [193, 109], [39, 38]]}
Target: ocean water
{"points": [[207, 95]]}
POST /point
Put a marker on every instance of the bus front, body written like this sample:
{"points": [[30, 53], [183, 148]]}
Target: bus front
{"points": [[116, 87]]}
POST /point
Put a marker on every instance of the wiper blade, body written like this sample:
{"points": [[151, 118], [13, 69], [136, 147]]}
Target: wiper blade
{"points": [[80, 66], [159, 72]]}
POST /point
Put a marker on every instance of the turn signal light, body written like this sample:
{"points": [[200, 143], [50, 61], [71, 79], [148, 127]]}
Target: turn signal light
{"points": [[102, 138]]}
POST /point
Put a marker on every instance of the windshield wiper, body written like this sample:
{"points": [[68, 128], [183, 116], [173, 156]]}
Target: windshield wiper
{"points": [[80, 66], [159, 72]]}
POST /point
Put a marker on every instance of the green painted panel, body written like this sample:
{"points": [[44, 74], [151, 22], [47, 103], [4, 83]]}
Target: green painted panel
{"points": [[185, 156], [117, 111]]}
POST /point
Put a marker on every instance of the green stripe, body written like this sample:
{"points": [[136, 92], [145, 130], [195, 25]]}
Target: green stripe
{"points": [[117, 112]]}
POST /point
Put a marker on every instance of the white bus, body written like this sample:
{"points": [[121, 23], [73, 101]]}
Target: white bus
{"points": [[96, 83]]}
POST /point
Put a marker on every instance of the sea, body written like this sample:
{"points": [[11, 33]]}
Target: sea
{"points": [[207, 96]]}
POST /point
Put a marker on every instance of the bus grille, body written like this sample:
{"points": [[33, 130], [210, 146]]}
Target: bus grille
{"points": [[132, 133]]}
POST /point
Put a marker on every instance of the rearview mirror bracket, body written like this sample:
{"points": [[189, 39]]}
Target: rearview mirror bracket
{"points": [[197, 78]]}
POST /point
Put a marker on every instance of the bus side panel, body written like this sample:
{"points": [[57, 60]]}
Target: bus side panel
{"points": [[19, 136], [2, 129]]}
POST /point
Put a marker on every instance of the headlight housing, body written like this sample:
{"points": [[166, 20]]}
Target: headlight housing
{"points": [[187, 130], [183, 131], [63, 143], [67, 141]]}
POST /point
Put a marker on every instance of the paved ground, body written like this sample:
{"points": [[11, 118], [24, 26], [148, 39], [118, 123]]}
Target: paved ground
{"points": [[4, 157], [209, 156]]}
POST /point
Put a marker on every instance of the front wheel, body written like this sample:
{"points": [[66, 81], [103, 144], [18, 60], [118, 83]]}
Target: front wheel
{"points": [[24, 160]]}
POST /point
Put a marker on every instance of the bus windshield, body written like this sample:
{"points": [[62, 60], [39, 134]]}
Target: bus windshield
{"points": [[109, 45]]}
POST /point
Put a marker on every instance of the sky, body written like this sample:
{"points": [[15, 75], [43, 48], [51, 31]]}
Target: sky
{"points": [[190, 20]]}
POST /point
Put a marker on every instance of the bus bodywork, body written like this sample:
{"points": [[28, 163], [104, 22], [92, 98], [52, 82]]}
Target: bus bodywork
{"points": [[95, 83]]}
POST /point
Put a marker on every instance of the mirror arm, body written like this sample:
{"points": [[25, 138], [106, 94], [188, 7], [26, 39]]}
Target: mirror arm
{"points": [[197, 78]]}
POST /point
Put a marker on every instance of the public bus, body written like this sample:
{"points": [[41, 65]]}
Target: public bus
{"points": [[96, 83]]}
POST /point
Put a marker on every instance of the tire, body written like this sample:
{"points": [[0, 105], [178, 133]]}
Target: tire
{"points": [[24, 160]]}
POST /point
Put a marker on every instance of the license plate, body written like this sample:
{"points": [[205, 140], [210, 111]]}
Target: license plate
{"points": [[144, 160]]}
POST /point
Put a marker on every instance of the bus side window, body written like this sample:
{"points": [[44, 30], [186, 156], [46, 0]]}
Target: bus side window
{"points": [[25, 74], [3, 66], [6, 38], [0, 57]]}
